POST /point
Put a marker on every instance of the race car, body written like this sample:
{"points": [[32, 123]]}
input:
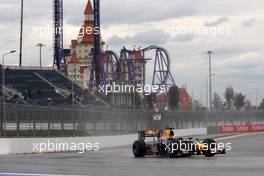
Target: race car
{"points": [[165, 143]]}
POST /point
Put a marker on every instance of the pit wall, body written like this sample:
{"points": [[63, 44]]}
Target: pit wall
{"points": [[26, 145]]}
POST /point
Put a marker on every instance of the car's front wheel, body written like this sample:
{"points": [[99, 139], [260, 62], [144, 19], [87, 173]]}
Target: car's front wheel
{"points": [[210, 149]]}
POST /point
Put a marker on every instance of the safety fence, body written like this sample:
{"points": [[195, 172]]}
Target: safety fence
{"points": [[96, 120]]}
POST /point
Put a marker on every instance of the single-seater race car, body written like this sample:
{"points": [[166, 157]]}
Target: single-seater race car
{"points": [[165, 143]]}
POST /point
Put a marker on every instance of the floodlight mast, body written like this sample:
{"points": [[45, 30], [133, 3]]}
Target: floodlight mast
{"points": [[97, 48], [58, 34]]}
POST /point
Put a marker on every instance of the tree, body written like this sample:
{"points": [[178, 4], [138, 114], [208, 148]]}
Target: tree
{"points": [[138, 99], [197, 106], [229, 96], [173, 97], [150, 100], [217, 102], [239, 101], [261, 106]]}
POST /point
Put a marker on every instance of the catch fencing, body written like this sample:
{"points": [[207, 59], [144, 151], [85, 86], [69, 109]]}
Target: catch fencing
{"points": [[98, 120]]}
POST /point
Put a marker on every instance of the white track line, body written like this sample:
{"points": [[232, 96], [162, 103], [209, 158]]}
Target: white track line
{"points": [[114, 150], [28, 174]]}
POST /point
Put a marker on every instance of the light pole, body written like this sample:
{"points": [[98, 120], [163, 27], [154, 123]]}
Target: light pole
{"points": [[40, 45], [257, 91], [21, 33], [207, 104], [3, 121], [204, 89], [210, 79], [73, 81]]}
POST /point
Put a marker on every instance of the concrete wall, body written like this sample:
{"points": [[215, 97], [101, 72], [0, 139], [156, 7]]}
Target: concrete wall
{"points": [[26, 145], [189, 132]]}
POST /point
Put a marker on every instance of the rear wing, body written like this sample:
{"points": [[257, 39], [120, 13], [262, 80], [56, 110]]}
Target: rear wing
{"points": [[148, 133], [155, 133]]}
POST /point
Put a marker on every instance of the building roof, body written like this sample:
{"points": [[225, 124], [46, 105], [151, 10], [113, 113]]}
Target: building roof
{"points": [[184, 94], [89, 8], [185, 98]]}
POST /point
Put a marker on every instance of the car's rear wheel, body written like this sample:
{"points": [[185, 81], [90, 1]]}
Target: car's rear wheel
{"points": [[210, 149], [139, 149]]}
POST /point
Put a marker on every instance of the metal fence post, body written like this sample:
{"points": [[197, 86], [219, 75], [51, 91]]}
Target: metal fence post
{"points": [[34, 124], [95, 126], [62, 125], [74, 122], [49, 132], [17, 122], [1, 122]]}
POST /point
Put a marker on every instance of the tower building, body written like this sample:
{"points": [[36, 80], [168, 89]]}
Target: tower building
{"points": [[79, 63]]}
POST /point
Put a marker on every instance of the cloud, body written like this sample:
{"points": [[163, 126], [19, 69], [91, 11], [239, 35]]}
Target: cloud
{"points": [[250, 60], [34, 11], [237, 58], [249, 23], [246, 75], [6, 17], [133, 12], [152, 37], [247, 67], [183, 38], [229, 8], [142, 38], [216, 22], [117, 41]]}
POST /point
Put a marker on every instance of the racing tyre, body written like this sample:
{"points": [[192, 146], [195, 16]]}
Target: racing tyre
{"points": [[174, 153], [223, 151], [139, 149], [211, 148]]}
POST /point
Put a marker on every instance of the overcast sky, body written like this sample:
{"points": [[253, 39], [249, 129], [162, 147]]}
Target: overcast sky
{"points": [[186, 28]]}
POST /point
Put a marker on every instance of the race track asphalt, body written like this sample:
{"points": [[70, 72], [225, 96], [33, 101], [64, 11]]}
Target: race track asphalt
{"points": [[245, 159]]}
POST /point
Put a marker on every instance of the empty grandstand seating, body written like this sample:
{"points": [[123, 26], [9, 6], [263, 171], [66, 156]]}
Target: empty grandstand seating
{"points": [[44, 87]]}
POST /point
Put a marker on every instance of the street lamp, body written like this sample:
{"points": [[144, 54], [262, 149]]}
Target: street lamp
{"points": [[40, 45], [210, 79], [21, 32], [3, 121], [257, 91]]}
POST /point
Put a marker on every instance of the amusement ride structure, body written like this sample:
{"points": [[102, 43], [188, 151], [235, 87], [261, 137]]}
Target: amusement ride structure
{"points": [[108, 65]]}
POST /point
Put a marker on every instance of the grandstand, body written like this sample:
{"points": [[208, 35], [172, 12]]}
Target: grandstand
{"points": [[42, 86]]}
